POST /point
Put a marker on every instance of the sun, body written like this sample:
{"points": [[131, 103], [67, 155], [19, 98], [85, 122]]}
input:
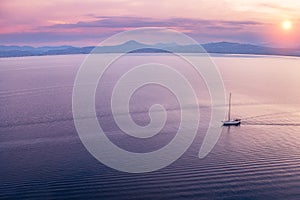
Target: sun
{"points": [[287, 25]]}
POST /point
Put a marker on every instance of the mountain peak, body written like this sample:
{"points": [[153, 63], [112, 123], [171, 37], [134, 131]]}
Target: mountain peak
{"points": [[132, 42]]}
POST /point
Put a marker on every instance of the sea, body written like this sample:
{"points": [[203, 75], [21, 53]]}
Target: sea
{"points": [[43, 157]]}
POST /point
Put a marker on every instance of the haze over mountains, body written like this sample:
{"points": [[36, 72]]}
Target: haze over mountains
{"points": [[219, 47]]}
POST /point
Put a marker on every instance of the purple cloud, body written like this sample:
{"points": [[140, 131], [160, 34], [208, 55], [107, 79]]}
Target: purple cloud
{"points": [[133, 22], [104, 26]]}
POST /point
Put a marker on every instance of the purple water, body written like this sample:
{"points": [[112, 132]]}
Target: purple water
{"points": [[42, 156]]}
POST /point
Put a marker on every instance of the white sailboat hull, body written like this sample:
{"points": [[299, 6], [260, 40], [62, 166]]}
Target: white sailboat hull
{"points": [[232, 123]]}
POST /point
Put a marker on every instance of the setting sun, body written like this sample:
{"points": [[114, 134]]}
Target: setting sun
{"points": [[287, 25]]}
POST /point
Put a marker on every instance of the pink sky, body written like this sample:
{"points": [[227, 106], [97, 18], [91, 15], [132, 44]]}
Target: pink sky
{"points": [[82, 23]]}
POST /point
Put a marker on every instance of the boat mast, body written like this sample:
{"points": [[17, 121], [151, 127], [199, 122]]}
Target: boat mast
{"points": [[229, 105]]}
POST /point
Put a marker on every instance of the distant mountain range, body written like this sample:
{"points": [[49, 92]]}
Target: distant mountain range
{"points": [[136, 47]]}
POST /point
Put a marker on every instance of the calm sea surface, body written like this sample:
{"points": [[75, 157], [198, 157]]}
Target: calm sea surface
{"points": [[42, 157]]}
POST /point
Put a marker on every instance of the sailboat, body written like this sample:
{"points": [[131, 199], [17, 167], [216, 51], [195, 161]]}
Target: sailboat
{"points": [[229, 121]]}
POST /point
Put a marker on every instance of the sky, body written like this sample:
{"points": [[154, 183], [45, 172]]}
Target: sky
{"points": [[273, 23]]}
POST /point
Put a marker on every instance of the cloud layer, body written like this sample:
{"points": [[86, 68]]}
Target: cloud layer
{"points": [[104, 26]]}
